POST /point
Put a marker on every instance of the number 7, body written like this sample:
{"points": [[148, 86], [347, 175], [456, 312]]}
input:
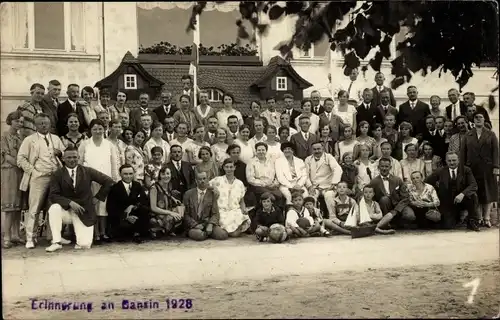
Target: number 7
{"points": [[474, 284]]}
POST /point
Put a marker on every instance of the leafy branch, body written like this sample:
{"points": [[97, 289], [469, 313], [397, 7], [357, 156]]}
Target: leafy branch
{"points": [[232, 50]]}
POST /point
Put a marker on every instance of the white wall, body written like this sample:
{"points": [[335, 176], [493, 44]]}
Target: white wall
{"points": [[21, 69]]}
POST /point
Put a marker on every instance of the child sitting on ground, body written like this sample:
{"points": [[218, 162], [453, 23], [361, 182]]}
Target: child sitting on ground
{"points": [[369, 211], [299, 222], [310, 205], [349, 173], [343, 205], [266, 215]]}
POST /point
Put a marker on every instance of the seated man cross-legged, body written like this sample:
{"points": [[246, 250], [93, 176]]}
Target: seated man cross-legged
{"points": [[201, 216], [127, 207], [72, 201]]}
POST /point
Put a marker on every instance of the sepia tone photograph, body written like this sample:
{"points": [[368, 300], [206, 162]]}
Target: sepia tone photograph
{"points": [[250, 159]]}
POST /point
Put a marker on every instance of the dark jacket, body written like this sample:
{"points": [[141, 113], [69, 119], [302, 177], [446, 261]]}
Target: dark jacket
{"points": [[206, 213], [414, 116], [62, 191], [50, 108], [63, 111], [183, 180], [440, 180], [267, 219], [118, 200], [161, 115]]}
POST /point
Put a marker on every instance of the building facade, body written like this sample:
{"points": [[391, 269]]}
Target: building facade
{"points": [[85, 42]]}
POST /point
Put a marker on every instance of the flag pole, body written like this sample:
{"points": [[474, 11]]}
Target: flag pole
{"points": [[193, 68]]}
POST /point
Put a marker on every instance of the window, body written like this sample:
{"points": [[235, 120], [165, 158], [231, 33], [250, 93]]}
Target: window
{"points": [[54, 26], [307, 53], [215, 95], [281, 84], [130, 81], [318, 50]]}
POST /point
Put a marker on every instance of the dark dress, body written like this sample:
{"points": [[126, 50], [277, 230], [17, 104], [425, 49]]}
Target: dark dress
{"points": [[481, 155], [164, 223]]}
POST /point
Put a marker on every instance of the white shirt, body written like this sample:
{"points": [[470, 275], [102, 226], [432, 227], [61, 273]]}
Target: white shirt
{"points": [[316, 108], [144, 111], [455, 110], [413, 104], [170, 136], [453, 171], [167, 108], [72, 175], [73, 104], [328, 115], [147, 131], [46, 137], [305, 135], [177, 164], [380, 88], [386, 184], [128, 186], [201, 194]]}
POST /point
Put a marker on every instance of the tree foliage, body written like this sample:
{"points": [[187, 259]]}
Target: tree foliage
{"points": [[449, 36]]}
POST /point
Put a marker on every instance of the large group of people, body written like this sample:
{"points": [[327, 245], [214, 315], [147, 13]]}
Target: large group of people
{"points": [[102, 171]]}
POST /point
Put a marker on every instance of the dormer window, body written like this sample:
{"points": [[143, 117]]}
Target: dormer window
{"points": [[130, 81], [214, 95], [281, 84]]}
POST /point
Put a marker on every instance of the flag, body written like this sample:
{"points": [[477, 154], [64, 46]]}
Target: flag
{"points": [[195, 59]]}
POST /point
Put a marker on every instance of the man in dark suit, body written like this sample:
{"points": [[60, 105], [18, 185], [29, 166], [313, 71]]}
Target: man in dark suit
{"points": [[377, 90], [368, 111], [72, 202], [72, 105], [469, 99], [392, 195], [201, 216], [435, 136], [169, 133], [288, 100], [457, 107], [182, 172], [328, 118], [385, 107], [50, 103], [211, 134], [317, 108], [456, 189], [135, 114], [128, 207], [414, 111], [303, 140], [167, 109]]}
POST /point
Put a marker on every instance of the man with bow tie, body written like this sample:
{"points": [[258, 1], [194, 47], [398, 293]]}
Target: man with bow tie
{"points": [[392, 195], [72, 200], [135, 114], [127, 207]]}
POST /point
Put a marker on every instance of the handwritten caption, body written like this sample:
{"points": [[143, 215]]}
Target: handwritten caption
{"points": [[181, 304]]}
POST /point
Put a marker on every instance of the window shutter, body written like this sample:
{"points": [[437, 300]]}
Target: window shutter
{"points": [[289, 84], [273, 83]]}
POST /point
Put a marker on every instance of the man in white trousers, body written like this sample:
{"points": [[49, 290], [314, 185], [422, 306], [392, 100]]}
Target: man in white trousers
{"points": [[72, 203]]}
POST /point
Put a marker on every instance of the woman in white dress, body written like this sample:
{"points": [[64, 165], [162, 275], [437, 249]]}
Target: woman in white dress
{"points": [[306, 106], [233, 215], [346, 145], [227, 111], [405, 138], [101, 155], [156, 140], [412, 163], [247, 151], [366, 169], [345, 111], [219, 149], [194, 149], [273, 146], [291, 173]]}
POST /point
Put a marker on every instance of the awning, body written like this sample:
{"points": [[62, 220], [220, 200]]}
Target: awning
{"points": [[211, 6]]}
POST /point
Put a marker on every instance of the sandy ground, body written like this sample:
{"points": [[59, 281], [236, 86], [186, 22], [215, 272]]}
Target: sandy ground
{"points": [[435, 291]]}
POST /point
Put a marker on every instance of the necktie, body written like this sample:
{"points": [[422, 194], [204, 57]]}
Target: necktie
{"points": [[234, 136], [317, 109], [385, 178], [453, 175], [73, 177], [55, 103], [128, 188], [178, 166], [349, 89], [412, 105], [200, 197], [454, 114], [380, 89], [144, 111], [306, 136], [290, 112], [369, 173], [46, 141]]}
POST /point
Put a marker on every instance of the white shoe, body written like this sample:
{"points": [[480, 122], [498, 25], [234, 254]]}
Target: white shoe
{"points": [[79, 247], [30, 245], [64, 241], [54, 247]]}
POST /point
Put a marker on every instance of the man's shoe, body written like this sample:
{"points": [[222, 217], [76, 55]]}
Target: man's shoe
{"points": [[64, 241], [54, 247], [30, 245], [472, 225]]}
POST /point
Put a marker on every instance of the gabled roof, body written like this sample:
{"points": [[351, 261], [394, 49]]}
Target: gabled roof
{"points": [[130, 60], [272, 68]]}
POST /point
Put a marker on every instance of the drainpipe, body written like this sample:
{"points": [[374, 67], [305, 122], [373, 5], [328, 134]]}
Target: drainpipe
{"points": [[103, 44]]}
